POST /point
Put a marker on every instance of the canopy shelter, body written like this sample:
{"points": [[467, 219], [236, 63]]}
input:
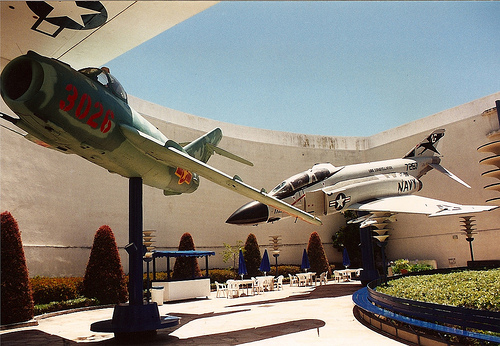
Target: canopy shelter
{"points": [[175, 254]]}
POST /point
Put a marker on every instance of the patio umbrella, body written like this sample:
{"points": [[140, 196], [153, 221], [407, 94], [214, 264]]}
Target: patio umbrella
{"points": [[242, 268], [265, 266], [345, 259], [305, 261]]}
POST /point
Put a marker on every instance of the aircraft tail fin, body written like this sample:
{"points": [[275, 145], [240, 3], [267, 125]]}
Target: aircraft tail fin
{"points": [[199, 148], [205, 146], [428, 146]]}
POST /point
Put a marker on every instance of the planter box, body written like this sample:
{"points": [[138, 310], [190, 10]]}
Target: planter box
{"points": [[187, 289]]}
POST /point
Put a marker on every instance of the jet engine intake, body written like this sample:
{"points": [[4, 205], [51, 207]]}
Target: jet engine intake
{"points": [[21, 79]]}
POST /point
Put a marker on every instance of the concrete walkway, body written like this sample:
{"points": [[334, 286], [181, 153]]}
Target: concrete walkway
{"points": [[292, 316]]}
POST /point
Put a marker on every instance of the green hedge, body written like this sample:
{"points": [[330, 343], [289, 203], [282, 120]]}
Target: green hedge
{"points": [[56, 294], [468, 289], [47, 290], [65, 305], [222, 275]]}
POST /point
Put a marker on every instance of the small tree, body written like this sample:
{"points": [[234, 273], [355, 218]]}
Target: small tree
{"points": [[230, 252], [186, 267], [316, 253], [104, 278], [252, 255], [17, 297]]}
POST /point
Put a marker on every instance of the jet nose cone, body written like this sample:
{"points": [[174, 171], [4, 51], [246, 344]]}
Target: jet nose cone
{"points": [[249, 214]]}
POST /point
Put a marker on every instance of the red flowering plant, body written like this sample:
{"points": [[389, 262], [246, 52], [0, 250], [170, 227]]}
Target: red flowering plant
{"points": [[252, 255], [104, 278], [317, 257], [186, 267], [17, 300]]}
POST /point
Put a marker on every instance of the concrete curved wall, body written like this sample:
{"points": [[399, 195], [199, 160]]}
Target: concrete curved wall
{"points": [[60, 200]]}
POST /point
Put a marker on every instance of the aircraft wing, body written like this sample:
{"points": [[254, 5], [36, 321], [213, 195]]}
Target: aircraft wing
{"points": [[418, 205], [171, 154], [87, 33]]}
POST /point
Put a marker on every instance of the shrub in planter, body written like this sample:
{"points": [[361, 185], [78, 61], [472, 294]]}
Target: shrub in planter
{"points": [[104, 278], [17, 300], [186, 267], [317, 257], [252, 255], [403, 266], [400, 266]]}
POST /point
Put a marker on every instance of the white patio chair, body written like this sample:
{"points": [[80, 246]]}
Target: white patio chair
{"points": [[278, 284], [268, 283], [233, 289], [293, 280], [322, 279], [337, 275], [302, 280], [257, 286], [221, 289]]}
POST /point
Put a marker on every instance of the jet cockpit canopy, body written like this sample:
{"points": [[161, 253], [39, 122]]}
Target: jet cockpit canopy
{"points": [[106, 79], [316, 174]]}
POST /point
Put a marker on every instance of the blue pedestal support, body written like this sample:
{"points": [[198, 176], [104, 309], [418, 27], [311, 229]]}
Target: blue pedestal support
{"points": [[369, 272], [136, 316]]}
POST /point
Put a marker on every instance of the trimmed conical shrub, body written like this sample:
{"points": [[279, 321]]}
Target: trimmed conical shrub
{"points": [[104, 278], [17, 297], [317, 257], [252, 255], [186, 267]]}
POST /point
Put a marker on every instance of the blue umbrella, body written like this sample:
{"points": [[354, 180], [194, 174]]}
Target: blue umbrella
{"points": [[305, 261], [265, 266], [242, 268], [345, 259]]}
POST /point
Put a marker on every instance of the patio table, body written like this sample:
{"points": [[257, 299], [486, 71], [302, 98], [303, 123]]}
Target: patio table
{"points": [[237, 286]]}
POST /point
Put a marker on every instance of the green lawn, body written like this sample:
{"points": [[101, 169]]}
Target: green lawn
{"points": [[469, 289]]}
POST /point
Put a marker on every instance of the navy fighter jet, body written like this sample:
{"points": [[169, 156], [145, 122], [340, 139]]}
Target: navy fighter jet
{"points": [[86, 113], [383, 186]]}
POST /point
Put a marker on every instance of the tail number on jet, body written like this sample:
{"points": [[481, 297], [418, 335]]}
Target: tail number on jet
{"points": [[83, 109]]}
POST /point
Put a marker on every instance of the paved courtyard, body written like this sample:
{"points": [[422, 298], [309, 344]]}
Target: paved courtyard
{"points": [[292, 316]]}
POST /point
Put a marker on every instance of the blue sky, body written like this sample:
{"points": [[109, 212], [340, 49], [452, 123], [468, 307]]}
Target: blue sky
{"points": [[325, 68]]}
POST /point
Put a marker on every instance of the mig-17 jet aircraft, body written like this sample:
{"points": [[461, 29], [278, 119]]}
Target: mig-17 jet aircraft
{"points": [[383, 186], [86, 113]]}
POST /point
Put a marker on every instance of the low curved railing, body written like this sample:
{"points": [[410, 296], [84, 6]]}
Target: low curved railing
{"points": [[458, 316], [428, 315]]}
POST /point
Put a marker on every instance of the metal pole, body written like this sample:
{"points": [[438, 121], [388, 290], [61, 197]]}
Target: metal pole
{"points": [[135, 241], [369, 272], [384, 263], [470, 246]]}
